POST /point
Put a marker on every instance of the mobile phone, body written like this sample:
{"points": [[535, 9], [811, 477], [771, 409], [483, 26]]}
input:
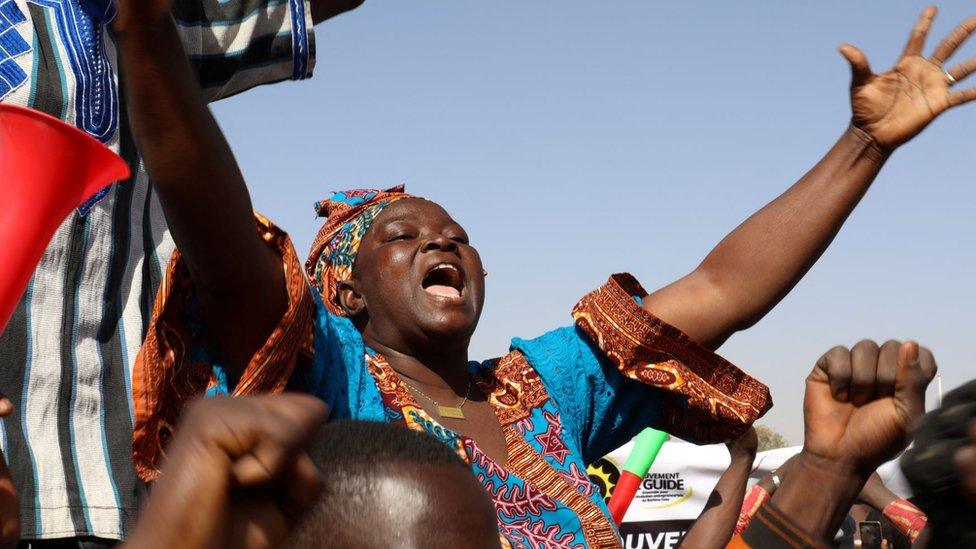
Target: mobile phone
{"points": [[870, 534]]}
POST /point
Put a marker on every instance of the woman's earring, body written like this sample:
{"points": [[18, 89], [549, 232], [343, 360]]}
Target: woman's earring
{"points": [[485, 272]]}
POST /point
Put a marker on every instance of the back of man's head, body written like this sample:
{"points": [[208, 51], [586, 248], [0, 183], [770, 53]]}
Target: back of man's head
{"points": [[387, 486], [932, 467]]}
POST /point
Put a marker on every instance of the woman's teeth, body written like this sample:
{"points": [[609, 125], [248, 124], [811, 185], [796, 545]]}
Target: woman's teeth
{"points": [[443, 281]]}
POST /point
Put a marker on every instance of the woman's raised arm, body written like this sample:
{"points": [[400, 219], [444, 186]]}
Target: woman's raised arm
{"points": [[757, 264]]}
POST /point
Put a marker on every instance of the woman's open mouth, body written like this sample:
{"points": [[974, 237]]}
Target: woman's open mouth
{"points": [[444, 281]]}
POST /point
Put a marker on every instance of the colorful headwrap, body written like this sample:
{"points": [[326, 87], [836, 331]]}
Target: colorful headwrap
{"points": [[333, 254]]}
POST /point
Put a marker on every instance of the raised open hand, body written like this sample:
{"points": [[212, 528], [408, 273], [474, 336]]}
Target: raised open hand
{"points": [[860, 403], [894, 106]]}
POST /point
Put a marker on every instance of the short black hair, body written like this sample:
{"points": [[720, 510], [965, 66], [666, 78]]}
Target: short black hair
{"points": [[346, 443], [930, 468], [350, 454]]}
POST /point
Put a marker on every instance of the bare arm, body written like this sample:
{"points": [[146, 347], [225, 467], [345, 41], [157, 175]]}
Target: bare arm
{"points": [[239, 279], [9, 508], [875, 494], [757, 264], [713, 528]]}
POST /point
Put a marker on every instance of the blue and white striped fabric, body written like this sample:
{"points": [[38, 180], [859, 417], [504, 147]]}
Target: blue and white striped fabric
{"points": [[12, 45], [68, 350]]}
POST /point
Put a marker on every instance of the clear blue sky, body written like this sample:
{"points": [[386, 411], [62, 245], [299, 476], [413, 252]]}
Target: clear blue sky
{"points": [[575, 139]]}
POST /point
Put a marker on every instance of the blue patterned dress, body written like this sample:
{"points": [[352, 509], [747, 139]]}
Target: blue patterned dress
{"points": [[563, 399]]}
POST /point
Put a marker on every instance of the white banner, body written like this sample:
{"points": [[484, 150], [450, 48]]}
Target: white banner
{"points": [[675, 490]]}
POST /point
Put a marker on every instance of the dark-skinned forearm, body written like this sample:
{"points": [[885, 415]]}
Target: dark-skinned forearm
{"points": [[239, 279], [818, 493], [757, 264], [714, 526]]}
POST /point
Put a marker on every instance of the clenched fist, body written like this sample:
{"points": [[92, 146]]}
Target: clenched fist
{"points": [[235, 476], [861, 403]]}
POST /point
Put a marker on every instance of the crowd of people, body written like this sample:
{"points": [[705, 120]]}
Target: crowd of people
{"points": [[267, 401]]}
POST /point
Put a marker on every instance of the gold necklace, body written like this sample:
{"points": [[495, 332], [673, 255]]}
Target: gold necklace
{"points": [[453, 412]]}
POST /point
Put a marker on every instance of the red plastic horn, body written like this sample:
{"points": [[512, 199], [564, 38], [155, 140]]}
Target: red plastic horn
{"points": [[47, 168]]}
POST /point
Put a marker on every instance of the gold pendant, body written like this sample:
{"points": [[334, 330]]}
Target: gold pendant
{"points": [[452, 412]]}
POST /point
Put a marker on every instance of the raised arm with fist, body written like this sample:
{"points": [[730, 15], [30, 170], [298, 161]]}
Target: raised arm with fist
{"points": [[859, 406], [236, 476]]}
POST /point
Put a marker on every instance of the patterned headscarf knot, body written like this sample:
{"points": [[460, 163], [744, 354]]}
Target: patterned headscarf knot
{"points": [[349, 215]]}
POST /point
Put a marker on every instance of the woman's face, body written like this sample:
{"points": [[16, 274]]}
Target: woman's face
{"points": [[418, 283]]}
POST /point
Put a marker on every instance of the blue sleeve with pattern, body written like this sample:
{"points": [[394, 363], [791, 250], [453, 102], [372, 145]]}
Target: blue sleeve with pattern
{"points": [[621, 369], [603, 408]]}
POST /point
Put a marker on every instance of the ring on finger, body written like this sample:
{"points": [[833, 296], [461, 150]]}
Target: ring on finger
{"points": [[951, 79]]}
